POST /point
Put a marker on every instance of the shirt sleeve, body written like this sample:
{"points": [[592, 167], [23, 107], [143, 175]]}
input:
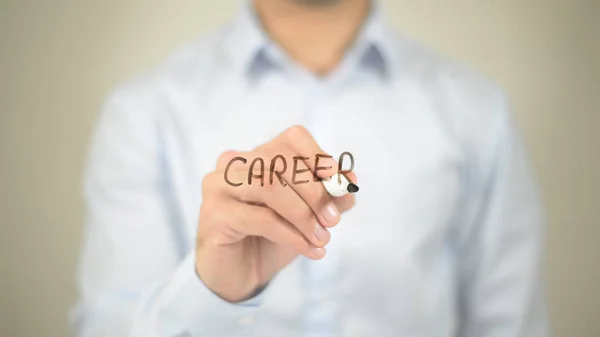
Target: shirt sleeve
{"points": [[500, 255], [136, 274]]}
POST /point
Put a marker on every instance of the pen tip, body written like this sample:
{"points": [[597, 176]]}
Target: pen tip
{"points": [[352, 188]]}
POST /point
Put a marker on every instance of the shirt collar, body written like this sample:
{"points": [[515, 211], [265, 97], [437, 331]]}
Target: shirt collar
{"points": [[247, 44]]}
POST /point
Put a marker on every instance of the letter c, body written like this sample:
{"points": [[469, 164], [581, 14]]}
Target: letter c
{"points": [[227, 170]]}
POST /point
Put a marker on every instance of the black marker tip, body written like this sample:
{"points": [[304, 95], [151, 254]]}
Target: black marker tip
{"points": [[352, 188]]}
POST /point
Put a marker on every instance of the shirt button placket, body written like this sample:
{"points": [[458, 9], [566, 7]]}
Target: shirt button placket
{"points": [[320, 276]]}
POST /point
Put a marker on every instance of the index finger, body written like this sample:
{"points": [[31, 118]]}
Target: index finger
{"points": [[300, 141]]}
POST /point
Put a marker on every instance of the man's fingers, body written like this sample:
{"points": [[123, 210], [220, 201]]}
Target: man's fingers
{"points": [[303, 144], [312, 192], [250, 178], [226, 157], [293, 159], [270, 176], [345, 203], [261, 221], [282, 199]]}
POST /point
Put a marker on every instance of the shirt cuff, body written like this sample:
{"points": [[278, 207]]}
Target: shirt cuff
{"points": [[187, 304]]}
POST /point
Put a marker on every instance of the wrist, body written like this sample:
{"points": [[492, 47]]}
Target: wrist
{"points": [[229, 287]]}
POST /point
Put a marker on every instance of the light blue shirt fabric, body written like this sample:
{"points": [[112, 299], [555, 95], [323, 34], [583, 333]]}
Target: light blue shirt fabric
{"points": [[444, 240]]}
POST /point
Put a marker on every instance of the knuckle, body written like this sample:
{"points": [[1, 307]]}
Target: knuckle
{"points": [[207, 183], [210, 213], [277, 164], [268, 189], [212, 182], [304, 220], [297, 131], [298, 214], [264, 217], [225, 157], [271, 189], [210, 221]]}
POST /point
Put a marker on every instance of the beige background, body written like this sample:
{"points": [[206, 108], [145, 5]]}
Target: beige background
{"points": [[58, 59]]}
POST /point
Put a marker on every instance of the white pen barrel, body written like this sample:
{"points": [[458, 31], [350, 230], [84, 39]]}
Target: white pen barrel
{"points": [[339, 186]]}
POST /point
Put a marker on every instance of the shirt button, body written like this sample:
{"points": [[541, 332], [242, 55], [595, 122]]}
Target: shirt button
{"points": [[245, 320]]}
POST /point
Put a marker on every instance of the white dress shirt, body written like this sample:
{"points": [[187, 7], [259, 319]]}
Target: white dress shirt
{"points": [[444, 240]]}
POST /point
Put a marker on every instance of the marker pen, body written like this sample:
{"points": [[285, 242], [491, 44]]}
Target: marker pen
{"points": [[338, 190]]}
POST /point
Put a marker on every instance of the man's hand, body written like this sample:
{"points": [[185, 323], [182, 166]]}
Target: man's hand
{"points": [[246, 234]]}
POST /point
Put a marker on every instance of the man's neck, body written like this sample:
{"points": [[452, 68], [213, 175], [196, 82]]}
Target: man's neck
{"points": [[315, 35]]}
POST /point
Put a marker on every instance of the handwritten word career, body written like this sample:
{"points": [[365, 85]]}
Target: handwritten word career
{"points": [[278, 173]]}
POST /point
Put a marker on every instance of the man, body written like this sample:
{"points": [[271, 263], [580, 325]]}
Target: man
{"points": [[443, 238]]}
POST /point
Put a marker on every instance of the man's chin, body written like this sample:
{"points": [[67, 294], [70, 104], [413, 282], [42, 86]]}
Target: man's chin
{"points": [[317, 3]]}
